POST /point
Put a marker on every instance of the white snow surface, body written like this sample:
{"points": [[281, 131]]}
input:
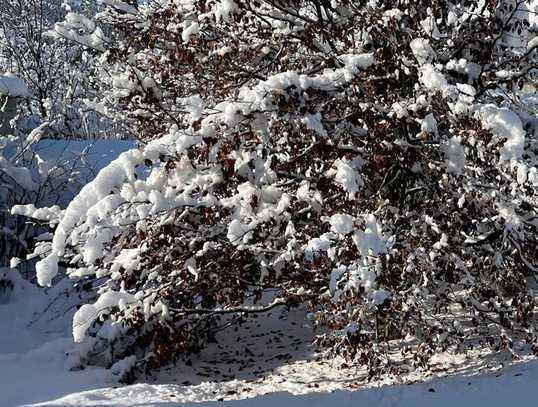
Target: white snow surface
{"points": [[88, 313], [455, 155], [341, 223], [422, 50], [432, 78], [506, 125], [11, 85], [81, 30], [36, 354], [513, 386], [190, 30]]}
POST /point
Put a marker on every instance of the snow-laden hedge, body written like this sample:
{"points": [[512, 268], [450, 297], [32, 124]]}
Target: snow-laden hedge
{"points": [[368, 160]]}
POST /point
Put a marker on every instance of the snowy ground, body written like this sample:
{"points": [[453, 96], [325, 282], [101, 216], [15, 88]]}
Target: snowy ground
{"points": [[513, 386], [267, 361]]}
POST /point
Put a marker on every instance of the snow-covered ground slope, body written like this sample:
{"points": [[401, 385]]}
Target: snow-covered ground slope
{"points": [[512, 386], [34, 345], [266, 361]]}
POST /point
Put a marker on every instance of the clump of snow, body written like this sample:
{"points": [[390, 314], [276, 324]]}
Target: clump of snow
{"points": [[429, 124], [238, 232], [429, 25], [82, 30], [455, 155], [14, 262], [88, 313], [432, 78], [194, 106], [120, 5], [318, 245], [512, 221], [400, 109], [329, 79], [313, 122], [21, 175], [128, 259], [47, 269], [108, 179], [370, 241], [51, 214], [224, 9], [462, 65], [341, 223], [36, 134], [189, 30], [122, 368], [347, 175], [532, 44], [422, 50], [504, 124], [223, 50], [355, 62], [394, 13]]}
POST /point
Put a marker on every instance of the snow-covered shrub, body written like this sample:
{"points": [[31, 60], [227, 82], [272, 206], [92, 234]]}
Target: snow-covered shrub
{"points": [[368, 159]]}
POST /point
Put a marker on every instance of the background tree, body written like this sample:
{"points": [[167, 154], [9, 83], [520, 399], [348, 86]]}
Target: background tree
{"points": [[57, 71]]}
